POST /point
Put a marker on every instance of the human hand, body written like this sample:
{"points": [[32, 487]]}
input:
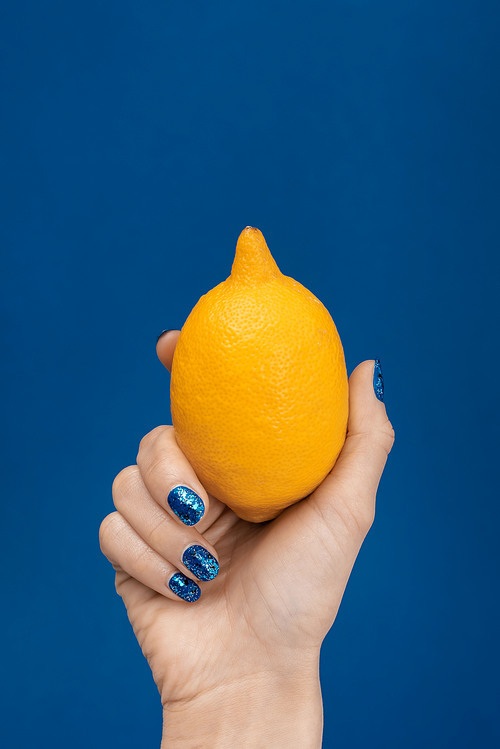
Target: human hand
{"points": [[239, 667]]}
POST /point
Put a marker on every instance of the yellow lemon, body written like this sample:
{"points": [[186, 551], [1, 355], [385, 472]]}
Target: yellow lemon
{"points": [[259, 393]]}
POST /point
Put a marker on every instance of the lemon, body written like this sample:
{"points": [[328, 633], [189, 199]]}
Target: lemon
{"points": [[259, 393]]}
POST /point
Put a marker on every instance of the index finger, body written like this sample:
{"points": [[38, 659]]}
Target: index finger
{"points": [[165, 347], [170, 478]]}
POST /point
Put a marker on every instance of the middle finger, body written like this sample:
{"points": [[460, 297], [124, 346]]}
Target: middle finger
{"points": [[181, 545], [172, 482]]}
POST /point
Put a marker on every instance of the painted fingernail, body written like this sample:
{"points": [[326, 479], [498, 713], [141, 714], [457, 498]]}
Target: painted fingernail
{"points": [[186, 504], [200, 562], [183, 587], [378, 381], [163, 332]]}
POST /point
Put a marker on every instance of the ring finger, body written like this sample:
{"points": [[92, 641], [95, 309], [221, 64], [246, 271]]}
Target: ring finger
{"points": [[127, 551], [181, 545]]}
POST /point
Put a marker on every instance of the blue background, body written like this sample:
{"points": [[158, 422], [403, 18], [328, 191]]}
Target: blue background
{"points": [[138, 139]]}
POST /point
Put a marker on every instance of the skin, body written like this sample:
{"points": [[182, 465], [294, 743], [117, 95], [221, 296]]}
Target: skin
{"points": [[240, 666]]}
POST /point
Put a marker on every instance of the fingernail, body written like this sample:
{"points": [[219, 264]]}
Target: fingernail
{"points": [[183, 587], [378, 381], [163, 332], [200, 562], [186, 504]]}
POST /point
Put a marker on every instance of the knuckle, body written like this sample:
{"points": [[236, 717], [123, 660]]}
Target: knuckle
{"points": [[107, 532], [124, 482], [150, 440], [383, 436], [118, 584], [347, 520], [158, 533], [144, 563], [387, 435], [360, 517], [159, 470], [365, 516]]}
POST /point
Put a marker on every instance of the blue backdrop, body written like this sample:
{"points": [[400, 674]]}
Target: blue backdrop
{"points": [[138, 139]]}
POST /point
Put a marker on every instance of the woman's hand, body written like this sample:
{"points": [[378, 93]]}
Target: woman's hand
{"points": [[239, 667]]}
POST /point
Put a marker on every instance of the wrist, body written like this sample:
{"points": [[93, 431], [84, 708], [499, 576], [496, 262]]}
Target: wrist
{"points": [[272, 708]]}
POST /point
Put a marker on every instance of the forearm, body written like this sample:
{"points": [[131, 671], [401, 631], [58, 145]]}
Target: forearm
{"points": [[257, 711]]}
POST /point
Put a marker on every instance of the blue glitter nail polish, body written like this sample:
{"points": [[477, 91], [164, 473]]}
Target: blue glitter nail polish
{"points": [[378, 381], [183, 587], [186, 504], [200, 562], [164, 332]]}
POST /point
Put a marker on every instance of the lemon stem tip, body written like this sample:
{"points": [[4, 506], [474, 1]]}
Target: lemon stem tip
{"points": [[253, 261]]}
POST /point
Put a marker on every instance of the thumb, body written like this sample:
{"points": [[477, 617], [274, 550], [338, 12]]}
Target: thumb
{"points": [[350, 489]]}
